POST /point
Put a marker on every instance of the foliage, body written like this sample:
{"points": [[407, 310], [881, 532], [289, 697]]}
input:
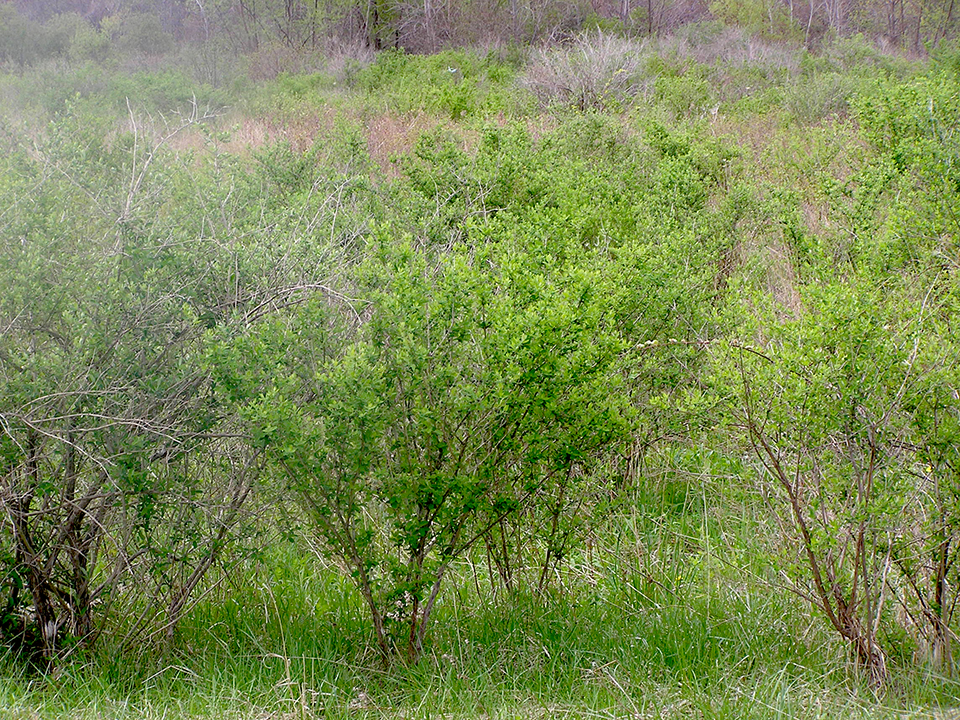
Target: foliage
{"points": [[453, 83], [479, 377], [141, 32], [821, 402], [25, 42], [105, 410], [388, 357], [911, 127], [767, 19]]}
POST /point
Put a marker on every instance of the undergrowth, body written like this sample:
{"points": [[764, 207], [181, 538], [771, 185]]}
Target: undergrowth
{"points": [[654, 623]]}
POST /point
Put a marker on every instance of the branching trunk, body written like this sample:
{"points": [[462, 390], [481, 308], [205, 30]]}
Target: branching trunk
{"points": [[848, 605], [38, 581], [942, 651]]}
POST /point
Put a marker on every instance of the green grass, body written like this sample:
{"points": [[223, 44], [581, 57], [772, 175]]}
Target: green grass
{"points": [[618, 638], [672, 614]]}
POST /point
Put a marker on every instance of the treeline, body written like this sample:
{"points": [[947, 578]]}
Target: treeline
{"points": [[33, 30]]}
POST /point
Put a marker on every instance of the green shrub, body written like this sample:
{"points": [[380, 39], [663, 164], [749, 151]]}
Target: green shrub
{"points": [[26, 42], [685, 95], [766, 18], [455, 83], [812, 99], [164, 91], [89, 45]]}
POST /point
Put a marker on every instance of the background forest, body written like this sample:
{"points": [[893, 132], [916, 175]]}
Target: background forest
{"points": [[479, 359]]}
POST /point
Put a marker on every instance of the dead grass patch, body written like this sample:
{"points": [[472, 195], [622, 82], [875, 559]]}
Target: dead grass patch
{"points": [[389, 136]]}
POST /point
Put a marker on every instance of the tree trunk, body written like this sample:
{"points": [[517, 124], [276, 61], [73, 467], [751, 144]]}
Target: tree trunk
{"points": [[941, 652], [872, 658], [38, 583]]}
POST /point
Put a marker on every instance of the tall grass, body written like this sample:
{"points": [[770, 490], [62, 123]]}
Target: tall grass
{"points": [[670, 615]]}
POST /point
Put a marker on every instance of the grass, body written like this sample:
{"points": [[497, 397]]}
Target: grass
{"points": [[653, 626], [671, 615]]}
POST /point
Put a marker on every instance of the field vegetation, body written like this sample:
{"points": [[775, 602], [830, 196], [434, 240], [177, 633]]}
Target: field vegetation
{"points": [[367, 362]]}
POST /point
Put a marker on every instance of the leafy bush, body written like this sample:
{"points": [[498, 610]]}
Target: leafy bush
{"points": [[455, 83], [25, 42], [164, 91], [89, 45], [766, 18], [444, 413], [828, 402], [684, 95]]}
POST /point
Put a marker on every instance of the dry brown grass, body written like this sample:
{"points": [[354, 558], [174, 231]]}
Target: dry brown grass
{"points": [[243, 134], [390, 135]]}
